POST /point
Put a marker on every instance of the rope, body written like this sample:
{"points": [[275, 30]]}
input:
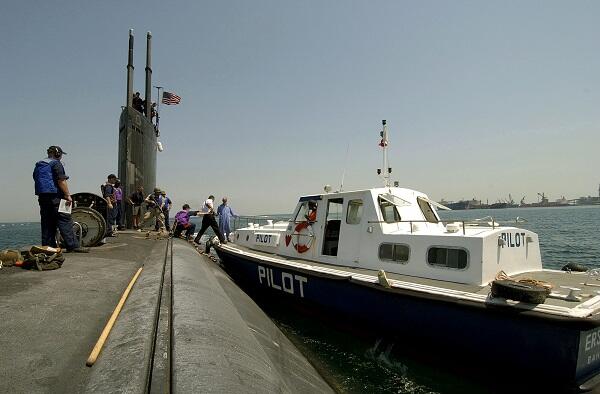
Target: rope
{"points": [[529, 281]]}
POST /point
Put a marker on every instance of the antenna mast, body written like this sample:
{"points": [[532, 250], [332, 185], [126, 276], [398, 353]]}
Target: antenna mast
{"points": [[345, 165], [387, 171]]}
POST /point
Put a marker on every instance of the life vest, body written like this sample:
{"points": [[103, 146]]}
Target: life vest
{"points": [[43, 178]]}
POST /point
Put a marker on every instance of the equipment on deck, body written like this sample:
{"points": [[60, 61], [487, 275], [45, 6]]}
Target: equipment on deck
{"points": [[90, 211]]}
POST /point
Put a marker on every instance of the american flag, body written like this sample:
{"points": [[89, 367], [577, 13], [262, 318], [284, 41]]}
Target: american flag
{"points": [[170, 98]]}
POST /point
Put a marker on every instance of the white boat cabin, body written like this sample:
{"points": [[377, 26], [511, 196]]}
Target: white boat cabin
{"points": [[397, 230]]}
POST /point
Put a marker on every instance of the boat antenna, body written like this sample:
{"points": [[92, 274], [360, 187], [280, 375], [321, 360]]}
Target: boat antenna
{"points": [[345, 165], [384, 143]]}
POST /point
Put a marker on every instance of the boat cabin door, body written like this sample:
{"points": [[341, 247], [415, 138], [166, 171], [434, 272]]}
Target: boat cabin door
{"points": [[333, 220]]}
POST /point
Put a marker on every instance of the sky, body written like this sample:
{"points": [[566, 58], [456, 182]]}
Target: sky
{"points": [[279, 98]]}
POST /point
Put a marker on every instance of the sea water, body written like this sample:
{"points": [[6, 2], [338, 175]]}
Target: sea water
{"points": [[361, 365]]}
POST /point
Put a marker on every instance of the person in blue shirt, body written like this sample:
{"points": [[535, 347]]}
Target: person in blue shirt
{"points": [[108, 192], [51, 186], [165, 209], [225, 214]]}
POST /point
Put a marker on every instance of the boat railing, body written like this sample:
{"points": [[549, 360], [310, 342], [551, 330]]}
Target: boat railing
{"points": [[265, 221], [261, 220], [481, 222]]}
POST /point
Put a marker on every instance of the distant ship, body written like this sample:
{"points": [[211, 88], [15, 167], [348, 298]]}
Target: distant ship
{"points": [[561, 202], [589, 200], [463, 204]]}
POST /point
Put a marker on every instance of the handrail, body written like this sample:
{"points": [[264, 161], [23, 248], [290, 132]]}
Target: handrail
{"points": [[465, 222], [243, 221]]}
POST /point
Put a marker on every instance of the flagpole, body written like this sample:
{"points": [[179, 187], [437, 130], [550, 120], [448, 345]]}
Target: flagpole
{"points": [[158, 100]]}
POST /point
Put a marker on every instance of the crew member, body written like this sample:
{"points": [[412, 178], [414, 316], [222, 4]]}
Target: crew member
{"points": [[108, 192], [50, 187], [166, 208], [182, 222], [136, 199], [119, 207], [137, 102], [208, 220], [154, 205], [225, 214]]}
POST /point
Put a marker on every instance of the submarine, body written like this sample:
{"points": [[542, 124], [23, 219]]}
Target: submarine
{"points": [[182, 326]]}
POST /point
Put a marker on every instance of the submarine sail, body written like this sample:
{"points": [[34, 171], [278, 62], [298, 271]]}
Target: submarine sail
{"points": [[137, 136]]}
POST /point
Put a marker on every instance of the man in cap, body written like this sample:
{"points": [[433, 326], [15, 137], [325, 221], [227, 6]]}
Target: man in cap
{"points": [[50, 187], [155, 204], [108, 193], [167, 203]]}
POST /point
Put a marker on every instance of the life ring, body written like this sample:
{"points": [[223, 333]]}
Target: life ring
{"points": [[299, 246]]}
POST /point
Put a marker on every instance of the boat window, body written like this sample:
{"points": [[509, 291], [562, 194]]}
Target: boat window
{"points": [[394, 252], [355, 211], [302, 212], [448, 257], [427, 210], [388, 211]]}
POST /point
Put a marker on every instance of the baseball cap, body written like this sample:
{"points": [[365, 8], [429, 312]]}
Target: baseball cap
{"points": [[56, 150]]}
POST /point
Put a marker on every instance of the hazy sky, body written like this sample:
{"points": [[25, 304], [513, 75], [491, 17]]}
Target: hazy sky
{"points": [[482, 98]]}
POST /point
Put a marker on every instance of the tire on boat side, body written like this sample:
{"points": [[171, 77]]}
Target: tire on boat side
{"points": [[574, 267], [517, 291]]}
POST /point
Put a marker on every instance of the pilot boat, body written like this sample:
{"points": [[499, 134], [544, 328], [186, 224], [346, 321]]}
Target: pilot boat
{"points": [[384, 258]]}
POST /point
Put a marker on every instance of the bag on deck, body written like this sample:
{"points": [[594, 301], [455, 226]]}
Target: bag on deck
{"points": [[43, 258]]}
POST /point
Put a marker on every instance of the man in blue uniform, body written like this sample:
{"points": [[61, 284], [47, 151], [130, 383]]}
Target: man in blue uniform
{"points": [[50, 187]]}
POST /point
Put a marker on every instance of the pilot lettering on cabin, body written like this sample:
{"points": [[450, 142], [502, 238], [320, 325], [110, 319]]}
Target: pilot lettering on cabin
{"points": [[513, 240]]}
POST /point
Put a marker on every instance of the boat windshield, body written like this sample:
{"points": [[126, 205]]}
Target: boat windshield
{"points": [[388, 210], [427, 210]]}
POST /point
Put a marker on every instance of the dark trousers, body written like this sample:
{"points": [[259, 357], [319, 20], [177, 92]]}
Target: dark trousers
{"points": [[167, 225], [209, 221], [189, 231], [51, 219], [111, 217], [119, 214]]}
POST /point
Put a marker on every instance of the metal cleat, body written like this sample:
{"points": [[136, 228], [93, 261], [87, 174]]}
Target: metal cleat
{"points": [[573, 293]]}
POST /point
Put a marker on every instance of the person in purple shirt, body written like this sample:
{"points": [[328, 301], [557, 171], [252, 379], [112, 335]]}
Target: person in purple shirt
{"points": [[120, 213], [182, 222]]}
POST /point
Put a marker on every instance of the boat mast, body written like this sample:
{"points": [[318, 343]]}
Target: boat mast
{"points": [[384, 143]]}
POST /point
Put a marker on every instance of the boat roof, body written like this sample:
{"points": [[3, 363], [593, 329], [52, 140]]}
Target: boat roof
{"points": [[399, 191]]}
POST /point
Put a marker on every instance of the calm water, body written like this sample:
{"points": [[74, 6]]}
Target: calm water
{"points": [[370, 365]]}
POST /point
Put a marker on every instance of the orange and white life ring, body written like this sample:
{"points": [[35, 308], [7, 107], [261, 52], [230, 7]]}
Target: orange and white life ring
{"points": [[303, 230]]}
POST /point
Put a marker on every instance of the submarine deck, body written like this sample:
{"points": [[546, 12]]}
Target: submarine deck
{"points": [[203, 334]]}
